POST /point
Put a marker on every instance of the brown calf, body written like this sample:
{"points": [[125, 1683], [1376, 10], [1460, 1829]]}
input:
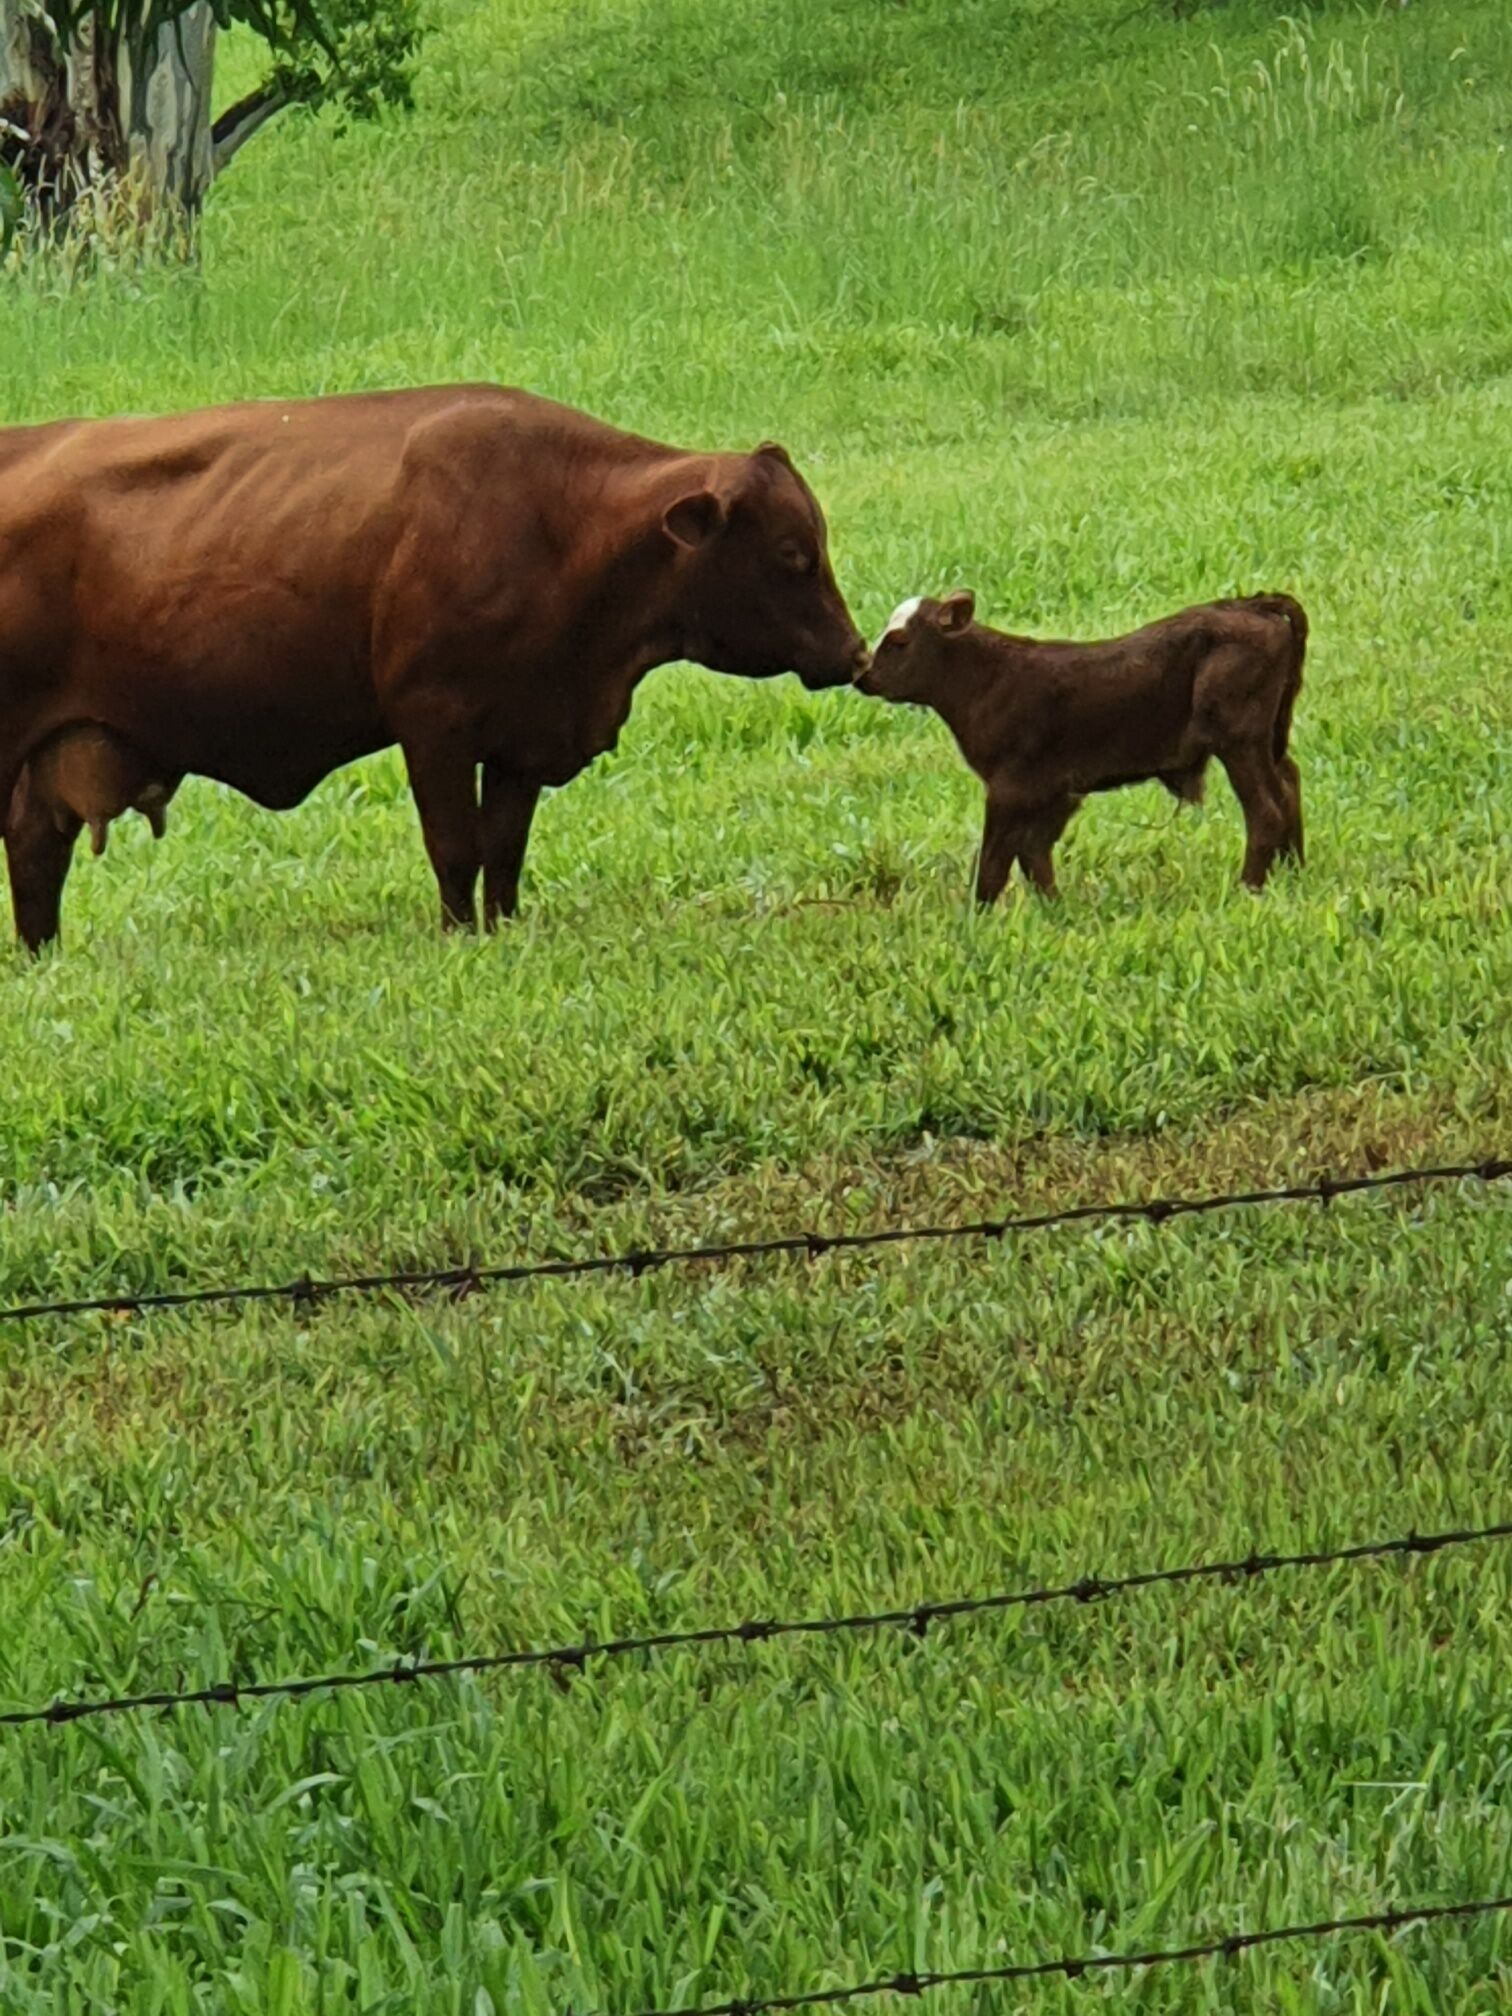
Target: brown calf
{"points": [[1043, 723]]}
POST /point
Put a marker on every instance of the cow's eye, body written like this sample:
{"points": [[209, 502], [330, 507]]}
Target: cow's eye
{"points": [[794, 558]]}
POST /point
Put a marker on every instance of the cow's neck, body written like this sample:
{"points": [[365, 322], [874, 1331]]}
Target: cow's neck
{"points": [[628, 581], [621, 591]]}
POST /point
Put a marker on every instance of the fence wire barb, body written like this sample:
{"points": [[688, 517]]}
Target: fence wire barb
{"points": [[465, 1279], [1074, 1967], [914, 1620]]}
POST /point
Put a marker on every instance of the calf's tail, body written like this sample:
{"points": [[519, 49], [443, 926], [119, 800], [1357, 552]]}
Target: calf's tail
{"points": [[1289, 607], [1295, 616]]}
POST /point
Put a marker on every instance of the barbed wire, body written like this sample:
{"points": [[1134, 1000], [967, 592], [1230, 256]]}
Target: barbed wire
{"points": [[464, 1280], [915, 1618], [1073, 1967]]}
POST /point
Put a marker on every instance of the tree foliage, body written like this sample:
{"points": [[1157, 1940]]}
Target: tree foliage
{"points": [[357, 54], [106, 94]]}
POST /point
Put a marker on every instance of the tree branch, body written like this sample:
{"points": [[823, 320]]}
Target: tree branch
{"points": [[237, 124]]}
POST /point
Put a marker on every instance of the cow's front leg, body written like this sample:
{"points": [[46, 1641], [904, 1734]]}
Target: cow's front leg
{"points": [[509, 804], [445, 784]]}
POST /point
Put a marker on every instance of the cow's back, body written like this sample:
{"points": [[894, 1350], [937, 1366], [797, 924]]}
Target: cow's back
{"points": [[205, 583]]}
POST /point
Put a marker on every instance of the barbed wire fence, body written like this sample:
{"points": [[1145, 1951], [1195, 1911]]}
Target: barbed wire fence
{"points": [[915, 1619], [305, 1292], [1075, 1967]]}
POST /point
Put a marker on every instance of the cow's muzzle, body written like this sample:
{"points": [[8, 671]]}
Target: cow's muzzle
{"points": [[845, 671]]}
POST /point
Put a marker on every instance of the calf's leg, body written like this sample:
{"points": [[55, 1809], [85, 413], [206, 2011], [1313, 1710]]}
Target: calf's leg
{"points": [[508, 806], [445, 785], [39, 844], [1005, 838], [1040, 836], [1262, 797], [1000, 846]]}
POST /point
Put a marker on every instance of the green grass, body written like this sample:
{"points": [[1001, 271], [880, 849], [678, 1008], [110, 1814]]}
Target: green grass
{"points": [[1095, 313]]}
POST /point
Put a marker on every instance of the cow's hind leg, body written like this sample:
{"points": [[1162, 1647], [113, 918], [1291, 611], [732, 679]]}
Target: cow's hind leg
{"points": [[1261, 792], [39, 844], [509, 804], [446, 795]]}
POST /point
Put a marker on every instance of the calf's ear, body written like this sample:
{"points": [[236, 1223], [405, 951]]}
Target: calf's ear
{"points": [[956, 611], [777, 453], [693, 520]]}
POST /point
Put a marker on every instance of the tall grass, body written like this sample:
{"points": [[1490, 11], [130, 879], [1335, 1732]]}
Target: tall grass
{"points": [[689, 236], [1095, 312]]}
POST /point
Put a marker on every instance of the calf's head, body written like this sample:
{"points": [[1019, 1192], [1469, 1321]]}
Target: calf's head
{"points": [[756, 595], [914, 658]]}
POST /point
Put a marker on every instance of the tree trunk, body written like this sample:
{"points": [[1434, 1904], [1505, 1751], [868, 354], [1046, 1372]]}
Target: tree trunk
{"points": [[165, 97], [38, 131], [112, 121]]}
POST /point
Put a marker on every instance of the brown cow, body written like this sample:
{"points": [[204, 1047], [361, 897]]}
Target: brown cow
{"points": [[86, 776], [262, 593], [1043, 723]]}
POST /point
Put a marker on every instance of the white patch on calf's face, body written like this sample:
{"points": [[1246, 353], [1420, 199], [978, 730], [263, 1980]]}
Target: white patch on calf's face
{"points": [[900, 619]]}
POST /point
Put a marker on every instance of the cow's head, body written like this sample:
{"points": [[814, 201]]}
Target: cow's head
{"points": [[912, 660], [756, 594]]}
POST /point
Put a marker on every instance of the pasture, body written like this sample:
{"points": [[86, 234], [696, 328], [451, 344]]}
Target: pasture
{"points": [[1096, 313]]}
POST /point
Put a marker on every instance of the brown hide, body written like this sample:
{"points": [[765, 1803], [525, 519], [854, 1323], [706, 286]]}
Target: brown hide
{"points": [[1044, 723], [262, 593]]}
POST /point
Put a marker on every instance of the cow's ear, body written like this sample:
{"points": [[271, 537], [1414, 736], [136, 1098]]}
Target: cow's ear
{"points": [[777, 453], [694, 519], [956, 611]]}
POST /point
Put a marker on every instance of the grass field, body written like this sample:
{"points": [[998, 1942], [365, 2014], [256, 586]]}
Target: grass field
{"points": [[1096, 313]]}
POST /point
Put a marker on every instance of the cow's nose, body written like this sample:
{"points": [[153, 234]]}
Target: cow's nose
{"points": [[860, 658]]}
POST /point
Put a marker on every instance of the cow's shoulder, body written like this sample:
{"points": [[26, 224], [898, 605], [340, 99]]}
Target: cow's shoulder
{"points": [[505, 423], [482, 469]]}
